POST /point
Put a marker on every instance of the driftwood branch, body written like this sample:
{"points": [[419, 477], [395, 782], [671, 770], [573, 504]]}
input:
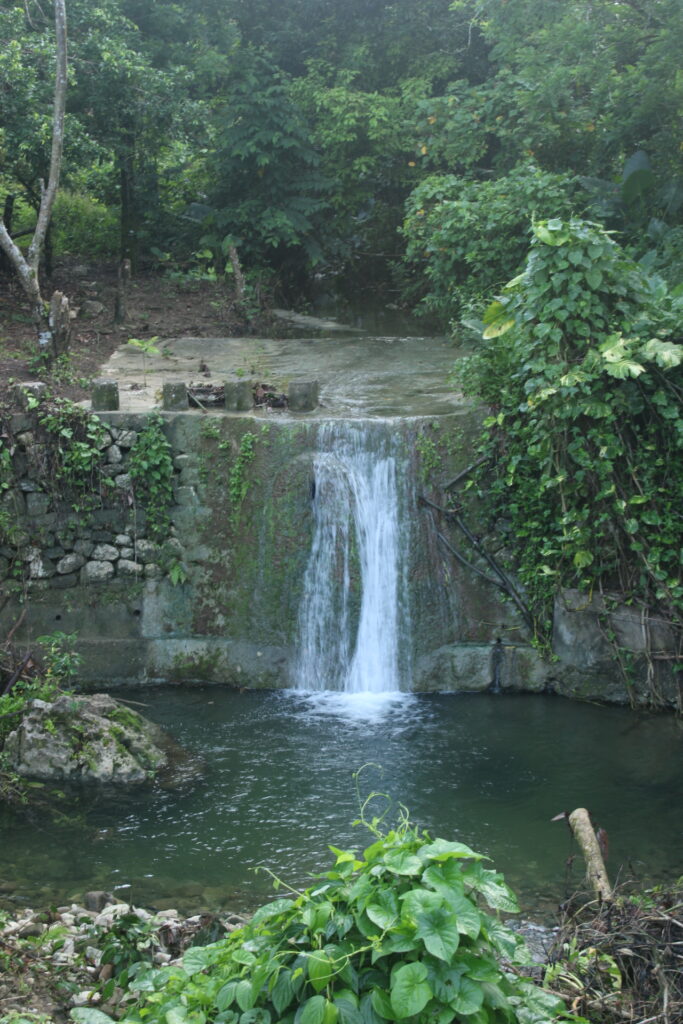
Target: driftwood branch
{"points": [[580, 823]]}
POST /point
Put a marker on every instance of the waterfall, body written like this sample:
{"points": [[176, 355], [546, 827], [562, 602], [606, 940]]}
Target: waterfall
{"points": [[354, 617]]}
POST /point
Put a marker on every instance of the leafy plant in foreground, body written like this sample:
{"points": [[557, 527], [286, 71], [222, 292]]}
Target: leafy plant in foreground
{"points": [[398, 933]]}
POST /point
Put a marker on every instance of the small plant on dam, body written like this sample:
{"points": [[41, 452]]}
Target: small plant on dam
{"points": [[238, 485]]}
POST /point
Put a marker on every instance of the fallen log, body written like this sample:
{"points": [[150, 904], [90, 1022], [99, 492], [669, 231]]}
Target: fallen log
{"points": [[582, 829]]}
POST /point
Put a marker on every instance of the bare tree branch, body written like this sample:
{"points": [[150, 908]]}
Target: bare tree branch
{"points": [[49, 193], [27, 267]]}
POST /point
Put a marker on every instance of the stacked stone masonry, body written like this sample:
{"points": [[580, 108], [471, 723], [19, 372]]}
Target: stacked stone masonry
{"points": [[54, 545]]}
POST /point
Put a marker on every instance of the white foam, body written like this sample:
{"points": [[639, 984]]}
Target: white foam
{"points": [[369, 706]]}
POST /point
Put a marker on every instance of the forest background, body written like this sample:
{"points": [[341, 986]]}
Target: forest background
{"points": [[406, 143]]}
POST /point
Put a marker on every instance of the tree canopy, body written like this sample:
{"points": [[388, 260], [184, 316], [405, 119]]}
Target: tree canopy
{"points": [[303, 130]]}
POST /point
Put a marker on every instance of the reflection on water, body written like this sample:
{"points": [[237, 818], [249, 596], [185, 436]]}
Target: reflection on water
{"points": [[491, 771]]}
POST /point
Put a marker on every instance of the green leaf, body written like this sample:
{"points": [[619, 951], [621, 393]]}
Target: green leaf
{"points": [[226, 995], [552, 232], [402, 862], [492, 887], [446, 878], [381, 1004], [469, 997], [438, 931], [544, 1004], [89, 1015], [197, 958], [384, 911], [468, 917], [624, 368], [176, 1015], [348, 1011], [282, 993], [312, 1011], [245, 995], [665, 353], [419, 901], [478, 966], [498, 328], [506, 942], [594, 278], [272, 909], [410, 991], [442, 849], [259, 1015], [320, 969], [444, 981]]}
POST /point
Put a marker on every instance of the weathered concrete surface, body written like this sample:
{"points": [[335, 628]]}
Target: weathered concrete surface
{"points": [[232, 614], [359, 374]]}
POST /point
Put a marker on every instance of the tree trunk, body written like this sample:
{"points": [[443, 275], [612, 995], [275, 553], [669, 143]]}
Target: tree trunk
{"points": [[128, 225], [6, 265], [48, 193], [121, 307], [27, 267], [581, 826]]}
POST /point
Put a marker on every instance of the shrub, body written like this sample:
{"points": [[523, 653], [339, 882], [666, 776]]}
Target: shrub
{"points": [[469, 237], [399, 933], [84, 228], [583, 367]]}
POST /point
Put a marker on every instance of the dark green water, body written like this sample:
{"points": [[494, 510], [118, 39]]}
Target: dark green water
{"points": [[489, 770]]}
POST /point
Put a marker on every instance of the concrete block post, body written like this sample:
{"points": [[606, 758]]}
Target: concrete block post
{"points": [[303, 395], [29, 392], [105, 395], [174, 396], [239, 395]]}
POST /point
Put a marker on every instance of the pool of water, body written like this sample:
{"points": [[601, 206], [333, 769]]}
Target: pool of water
{"points": [[278, 788]]}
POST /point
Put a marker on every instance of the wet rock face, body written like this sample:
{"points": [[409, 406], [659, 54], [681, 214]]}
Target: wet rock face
{"points": [[86, 739]]}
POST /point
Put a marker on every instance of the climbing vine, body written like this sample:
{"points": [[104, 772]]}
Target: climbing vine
{"points": [[74, 452], [582, 367], [151, 470], [237, 481]]}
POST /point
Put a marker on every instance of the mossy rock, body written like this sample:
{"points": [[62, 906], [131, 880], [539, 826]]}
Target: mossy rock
{"points": [[91, 739]]}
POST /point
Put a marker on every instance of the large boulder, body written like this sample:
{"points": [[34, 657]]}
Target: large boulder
{"points": [[86, 739]]}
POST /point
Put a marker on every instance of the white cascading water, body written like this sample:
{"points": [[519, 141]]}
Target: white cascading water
{"points": [[353, 620]]}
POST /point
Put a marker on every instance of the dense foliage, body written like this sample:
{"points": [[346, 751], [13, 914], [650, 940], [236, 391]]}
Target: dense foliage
{"points": [[582, 364], [471, 236], [396, 933], [299, 132]]}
